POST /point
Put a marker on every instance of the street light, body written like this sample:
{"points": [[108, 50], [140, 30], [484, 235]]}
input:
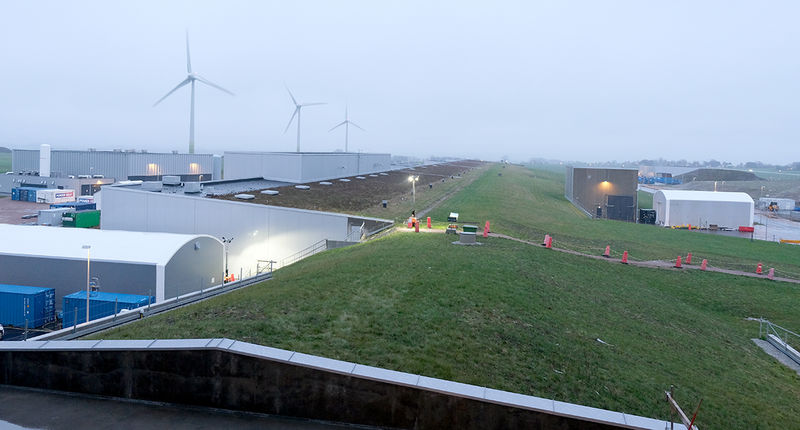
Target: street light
{"points": [[226, 242], [88, 281], [413, 179]]}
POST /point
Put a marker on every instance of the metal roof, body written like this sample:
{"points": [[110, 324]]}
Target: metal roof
{"points": [[21, 289], [106, 245], [706, 196]]}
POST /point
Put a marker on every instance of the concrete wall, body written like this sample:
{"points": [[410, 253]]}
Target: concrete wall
{"points": [[68, 276], [260, 232], [303, 166], [226, 374]]}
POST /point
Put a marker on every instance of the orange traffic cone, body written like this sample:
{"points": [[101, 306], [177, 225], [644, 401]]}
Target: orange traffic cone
{"points": [[771, 274], [704, 264], [624, 258], [678, 262], [429, 222], [689, 258], [759, 269], [486, 230], [607, 254]]}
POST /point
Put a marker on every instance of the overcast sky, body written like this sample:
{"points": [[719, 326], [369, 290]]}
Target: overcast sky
{"points": [[573, 80]]}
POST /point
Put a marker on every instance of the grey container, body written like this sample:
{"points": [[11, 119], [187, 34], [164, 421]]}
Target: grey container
{"points": [[52, 216]]}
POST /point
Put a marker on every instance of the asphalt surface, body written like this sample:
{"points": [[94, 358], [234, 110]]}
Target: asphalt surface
{"points": [[22, 408]]}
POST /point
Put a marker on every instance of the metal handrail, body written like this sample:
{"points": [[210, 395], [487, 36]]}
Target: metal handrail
{"points": [[104, 323], [309, 251], [765, 328]]}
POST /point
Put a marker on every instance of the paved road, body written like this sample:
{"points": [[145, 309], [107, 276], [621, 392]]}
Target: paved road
{"points": [[34, 409]]}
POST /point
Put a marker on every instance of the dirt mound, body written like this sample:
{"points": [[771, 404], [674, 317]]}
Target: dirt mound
{"points": [[718, 175]]}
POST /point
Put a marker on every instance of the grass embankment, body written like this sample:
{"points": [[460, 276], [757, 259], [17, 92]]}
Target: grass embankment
{"points": [[521, 318], [5, 162], [645, 200], [528, 204]]}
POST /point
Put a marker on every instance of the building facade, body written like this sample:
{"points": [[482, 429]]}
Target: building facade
{"points": [[606, 193]]}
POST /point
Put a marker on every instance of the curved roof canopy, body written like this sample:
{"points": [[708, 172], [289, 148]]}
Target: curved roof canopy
{"points": [[705, 196], [106, 245]]}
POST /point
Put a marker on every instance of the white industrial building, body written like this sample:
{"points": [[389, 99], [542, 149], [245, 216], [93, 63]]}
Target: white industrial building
{"points": [[155, 264], [300, 167], [118, 164], [703, 208], [260, 233]]}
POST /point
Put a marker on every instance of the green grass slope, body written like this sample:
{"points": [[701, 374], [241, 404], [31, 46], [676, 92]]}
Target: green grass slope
{"points": [[5, 162], [529, 203], [521, 318]]}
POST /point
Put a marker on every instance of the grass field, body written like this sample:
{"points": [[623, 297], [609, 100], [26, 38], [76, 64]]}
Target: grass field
{"points": [[522, 318], [5, 162]]}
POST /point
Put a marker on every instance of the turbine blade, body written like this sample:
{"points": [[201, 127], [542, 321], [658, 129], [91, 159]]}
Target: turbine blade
{"points": [[312, 104], [356, 125], [207, 82], [188, 56], [184, 82], [292, 96], [291, 119], [337, 126]]}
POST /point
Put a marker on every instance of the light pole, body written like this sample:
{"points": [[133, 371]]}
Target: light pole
{"points": [[88, 281], [413, 179], [226, 242]]}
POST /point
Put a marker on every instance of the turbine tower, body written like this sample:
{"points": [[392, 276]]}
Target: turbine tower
{"points": [[191, 77], [297, 108], [346, 123]]}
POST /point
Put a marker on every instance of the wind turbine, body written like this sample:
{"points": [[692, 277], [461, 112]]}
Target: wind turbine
{"points": [[297, 108], [346, 123], [190, 79]]}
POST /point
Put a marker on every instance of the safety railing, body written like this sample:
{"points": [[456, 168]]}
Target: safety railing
{"points": [[780, 337]]}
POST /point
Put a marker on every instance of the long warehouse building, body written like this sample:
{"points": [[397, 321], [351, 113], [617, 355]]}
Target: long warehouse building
{"points": [[118, 164], [163, 265]]}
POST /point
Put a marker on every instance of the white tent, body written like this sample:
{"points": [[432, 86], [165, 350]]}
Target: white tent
{"points": [[703, 208]]}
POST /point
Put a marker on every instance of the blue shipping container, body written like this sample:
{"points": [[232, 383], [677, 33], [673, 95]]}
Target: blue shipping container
{"points": [[18, 304], [100, 305]]}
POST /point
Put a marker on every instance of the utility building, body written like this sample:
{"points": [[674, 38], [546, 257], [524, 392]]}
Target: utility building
{"points": [[705, 209], [153, 264], [603, 192]]}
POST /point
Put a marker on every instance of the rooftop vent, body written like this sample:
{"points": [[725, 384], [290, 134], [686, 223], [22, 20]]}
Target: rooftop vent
{"points": [[191, 187]]}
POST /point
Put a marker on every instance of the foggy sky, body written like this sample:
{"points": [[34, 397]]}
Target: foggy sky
{"points": [[573, 80]]}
